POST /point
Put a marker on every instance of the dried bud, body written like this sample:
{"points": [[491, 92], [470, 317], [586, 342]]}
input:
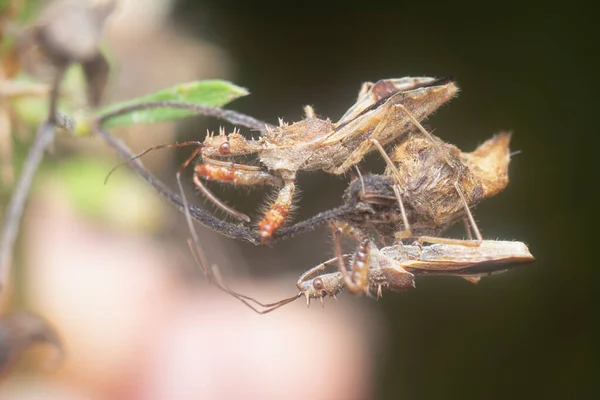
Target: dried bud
{"points": [[96, 72], [489, 163], [66, 32], [69, 30]]}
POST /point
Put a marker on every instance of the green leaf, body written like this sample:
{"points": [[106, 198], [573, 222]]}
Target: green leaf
{"points": [[215, 93]]}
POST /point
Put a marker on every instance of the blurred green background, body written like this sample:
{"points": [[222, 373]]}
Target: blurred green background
{"points": [[531, 69]]}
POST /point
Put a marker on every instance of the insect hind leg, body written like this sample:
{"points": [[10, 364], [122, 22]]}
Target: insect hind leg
{"points": [[277, 212]]}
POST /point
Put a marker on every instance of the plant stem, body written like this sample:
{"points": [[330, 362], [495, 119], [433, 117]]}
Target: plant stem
{"points": [[14, 211]]}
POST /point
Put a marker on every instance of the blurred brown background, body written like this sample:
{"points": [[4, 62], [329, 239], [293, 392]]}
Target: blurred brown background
{"points": [[528, 333]]}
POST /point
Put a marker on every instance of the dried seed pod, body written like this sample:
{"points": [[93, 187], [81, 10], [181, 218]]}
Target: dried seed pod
{"points": [[67, 32], [428, 173], [428, 179]]}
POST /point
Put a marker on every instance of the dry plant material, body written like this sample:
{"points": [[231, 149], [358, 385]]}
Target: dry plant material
{"points": [[428, 186], [431, 185], [69, 32]]}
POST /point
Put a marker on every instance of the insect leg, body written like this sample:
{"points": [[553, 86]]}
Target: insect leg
{"points": [[365, 147], [277, 212], [354, 158], [237, 174], [358, 279], [407, 232], [424, 131], [359, 153], [461, 242], [469, 214], [198, 254], [456, 186], [229, 172], [307, 274], [467, 229]]}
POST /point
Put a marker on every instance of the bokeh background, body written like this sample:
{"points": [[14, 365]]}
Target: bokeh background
{"points": [[115, 277]]}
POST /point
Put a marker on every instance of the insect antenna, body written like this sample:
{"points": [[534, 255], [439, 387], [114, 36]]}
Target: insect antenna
{"points": [[205, 191], [143, 153]]}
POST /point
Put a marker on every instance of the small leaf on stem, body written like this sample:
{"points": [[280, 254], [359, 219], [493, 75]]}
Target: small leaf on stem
{"points": [[214, 93]]}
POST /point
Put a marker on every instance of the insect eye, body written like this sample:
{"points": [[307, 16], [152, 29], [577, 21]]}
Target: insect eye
{"points": [[318, 283], [224, 148]]}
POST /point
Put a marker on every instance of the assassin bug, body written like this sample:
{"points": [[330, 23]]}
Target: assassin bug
{"points": [[384, 111], [395, 268]]}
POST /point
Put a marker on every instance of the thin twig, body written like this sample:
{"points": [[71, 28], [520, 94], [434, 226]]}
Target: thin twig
{"points": [[14, 211], [233, 117], [54, 94]]}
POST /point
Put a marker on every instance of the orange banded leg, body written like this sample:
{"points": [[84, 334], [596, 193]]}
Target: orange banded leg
{"points": [[238, 174], [278, 212]]}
